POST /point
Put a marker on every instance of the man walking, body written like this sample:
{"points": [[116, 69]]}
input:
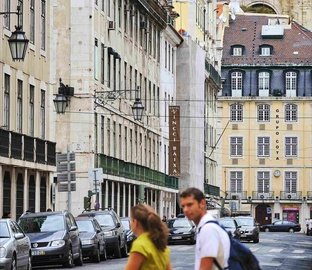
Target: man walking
{"points": [[212, 242]]}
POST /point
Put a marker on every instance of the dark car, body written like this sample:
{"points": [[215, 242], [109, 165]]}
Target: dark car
{"points": [[15, 250], [231, 226], [92, 238], [181, 230], [115, 236], [129, 233], [281, 226], [54, 238], [249, 228]]}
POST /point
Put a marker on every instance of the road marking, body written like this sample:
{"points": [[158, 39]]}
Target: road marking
{"points": [[271, 264], [297, 251], [276, 250], [254, 249], [297, 257]]}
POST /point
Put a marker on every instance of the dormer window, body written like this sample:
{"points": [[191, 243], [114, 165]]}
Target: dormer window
{"points": [[266, 50], [237, 50]]}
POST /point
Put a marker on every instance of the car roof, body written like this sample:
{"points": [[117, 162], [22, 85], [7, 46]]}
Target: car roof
{"points": [[124, 218], [40, 214], [85, 218], [94, 213], [244, 217]]}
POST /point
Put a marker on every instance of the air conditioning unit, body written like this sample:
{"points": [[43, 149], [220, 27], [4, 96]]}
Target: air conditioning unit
{"points": [[261, 196], [277, 93], [143, 25], [111, 25], [234, 197], [289, 196]]}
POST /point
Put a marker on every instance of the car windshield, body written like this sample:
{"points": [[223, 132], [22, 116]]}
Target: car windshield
{"points": [[179, 223], [245, 221], [227, 223], [42, 224], [126, 224], [4, 231], [85, 225], [105, 220]]}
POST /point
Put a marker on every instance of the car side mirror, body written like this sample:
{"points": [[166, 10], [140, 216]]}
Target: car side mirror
{"points": [[238, 227], [118, 224], [73, 228], [98, 230], [18, 236]]}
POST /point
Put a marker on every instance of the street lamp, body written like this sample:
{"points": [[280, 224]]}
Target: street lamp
{"points": [[17, 42], [137, 109]]}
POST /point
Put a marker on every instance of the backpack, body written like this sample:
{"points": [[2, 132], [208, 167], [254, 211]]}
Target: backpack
{"points": [[241, 257]]}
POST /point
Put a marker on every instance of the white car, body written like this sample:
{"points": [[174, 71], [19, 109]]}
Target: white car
{"points": [[15, 250]]}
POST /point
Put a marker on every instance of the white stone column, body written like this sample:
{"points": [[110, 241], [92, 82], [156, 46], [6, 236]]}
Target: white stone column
{"points": [[124, 200], [37, 196], [134, 195], [161, 203], [113, 195], [13, 193], [26, 191], [118, 199], [129, 200], [1, 191], [106, 195]]}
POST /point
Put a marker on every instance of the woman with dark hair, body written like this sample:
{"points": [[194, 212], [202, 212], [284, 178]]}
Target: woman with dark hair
{"points": [[149, 250]]}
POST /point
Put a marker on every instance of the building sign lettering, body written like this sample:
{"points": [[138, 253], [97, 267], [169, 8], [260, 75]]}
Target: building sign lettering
{"points": [[174, 140]]}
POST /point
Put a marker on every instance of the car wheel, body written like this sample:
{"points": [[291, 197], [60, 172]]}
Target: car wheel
{"points": [[29, 265], [117, 251], [13, 264], [79, 260], [266, 229], [97, 257], [104, 254], [192, 242], [70, 261], [291, 230], [124, 250], [256, 240]]}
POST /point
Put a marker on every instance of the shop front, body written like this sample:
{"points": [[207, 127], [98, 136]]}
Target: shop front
{"points": [[291, 214]]}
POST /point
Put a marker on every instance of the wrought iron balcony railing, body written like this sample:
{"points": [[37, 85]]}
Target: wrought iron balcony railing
{"points": [[288, 195], [309, 195], [256, 195], [212, 190], [232, 195], [129, 170], [19, 146]]}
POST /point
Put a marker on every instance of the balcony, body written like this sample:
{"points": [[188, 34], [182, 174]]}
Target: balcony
{"points": [[211, 190], [264, 196], [231, 195], [291, 196], [133, 171], [309, 195], [214, 74], [22, 147]]}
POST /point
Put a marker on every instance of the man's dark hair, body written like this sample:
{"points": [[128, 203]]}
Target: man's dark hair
{"points": [[195, 192]]}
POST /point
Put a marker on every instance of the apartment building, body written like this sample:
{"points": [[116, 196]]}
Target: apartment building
{"points": [[27, 144], [266, 118]]}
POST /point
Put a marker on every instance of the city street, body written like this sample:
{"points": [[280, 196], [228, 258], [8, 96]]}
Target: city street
{"points": [[275, 251]]}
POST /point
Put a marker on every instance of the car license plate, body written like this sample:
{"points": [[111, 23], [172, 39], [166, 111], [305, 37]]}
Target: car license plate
{"points": [[176, 237], [37, 252]]}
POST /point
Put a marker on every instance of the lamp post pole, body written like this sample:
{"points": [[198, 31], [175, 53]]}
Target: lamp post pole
{"points": [[68, 181]]}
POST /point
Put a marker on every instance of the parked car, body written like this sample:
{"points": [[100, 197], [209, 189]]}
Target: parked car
{"points": [[249, 228], [129, 233], [54, 238], [92, 238], [15, 250], [281, 226], [181, 230], [115, 235], [231, 226]]}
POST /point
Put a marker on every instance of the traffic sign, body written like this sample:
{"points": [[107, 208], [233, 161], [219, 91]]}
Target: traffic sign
{"points": [[63, 157], [63, 177], [63, 187], [62, 167]]}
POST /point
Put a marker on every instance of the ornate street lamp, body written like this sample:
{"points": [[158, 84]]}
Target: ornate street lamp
{"points": [[60, 103], [137, 109], [18, 42]]}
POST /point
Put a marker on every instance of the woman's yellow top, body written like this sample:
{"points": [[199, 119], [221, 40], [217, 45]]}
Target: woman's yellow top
{"points": [[154, 258]]}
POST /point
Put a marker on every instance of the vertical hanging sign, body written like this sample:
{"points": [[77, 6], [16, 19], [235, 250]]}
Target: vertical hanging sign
{"points": [[174, 140]]}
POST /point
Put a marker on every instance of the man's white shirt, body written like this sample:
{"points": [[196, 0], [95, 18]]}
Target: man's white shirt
{"points": [[212, 241]]}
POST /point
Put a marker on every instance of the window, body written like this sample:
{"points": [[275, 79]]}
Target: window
{"points": [[20, 4], [43, 24], [42, 114], [119, 13], [32, 22], [108, 70], [19, 109], [6, 107], [291, 112], [236, 182], [7, 17], [31, 110], [237, 51], [264, 81], [291, 81], [236, 112], [265, 51], [291, 182], [263, 144], [263, 112], [291, 146], [108, 138], [263, 179], [236, 146], [96, 47], [237, 81], [102, 63], [102, 134]]}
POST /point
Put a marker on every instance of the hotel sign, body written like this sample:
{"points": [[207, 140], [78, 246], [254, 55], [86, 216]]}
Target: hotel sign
{"points": [[174, 140]]}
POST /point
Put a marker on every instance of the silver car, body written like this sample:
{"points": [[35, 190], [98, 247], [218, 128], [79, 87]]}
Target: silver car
{"points": [[15, 250]]}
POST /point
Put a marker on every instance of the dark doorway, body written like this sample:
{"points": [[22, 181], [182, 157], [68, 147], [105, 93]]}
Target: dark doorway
{"points": [[7, 192], [19, 195], [264, 214]]}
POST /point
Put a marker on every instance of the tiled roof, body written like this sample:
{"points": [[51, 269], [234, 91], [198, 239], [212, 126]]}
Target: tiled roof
{"points": [[294, 48]]}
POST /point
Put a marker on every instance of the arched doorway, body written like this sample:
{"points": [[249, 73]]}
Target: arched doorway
{"points": [[263, 214]]}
